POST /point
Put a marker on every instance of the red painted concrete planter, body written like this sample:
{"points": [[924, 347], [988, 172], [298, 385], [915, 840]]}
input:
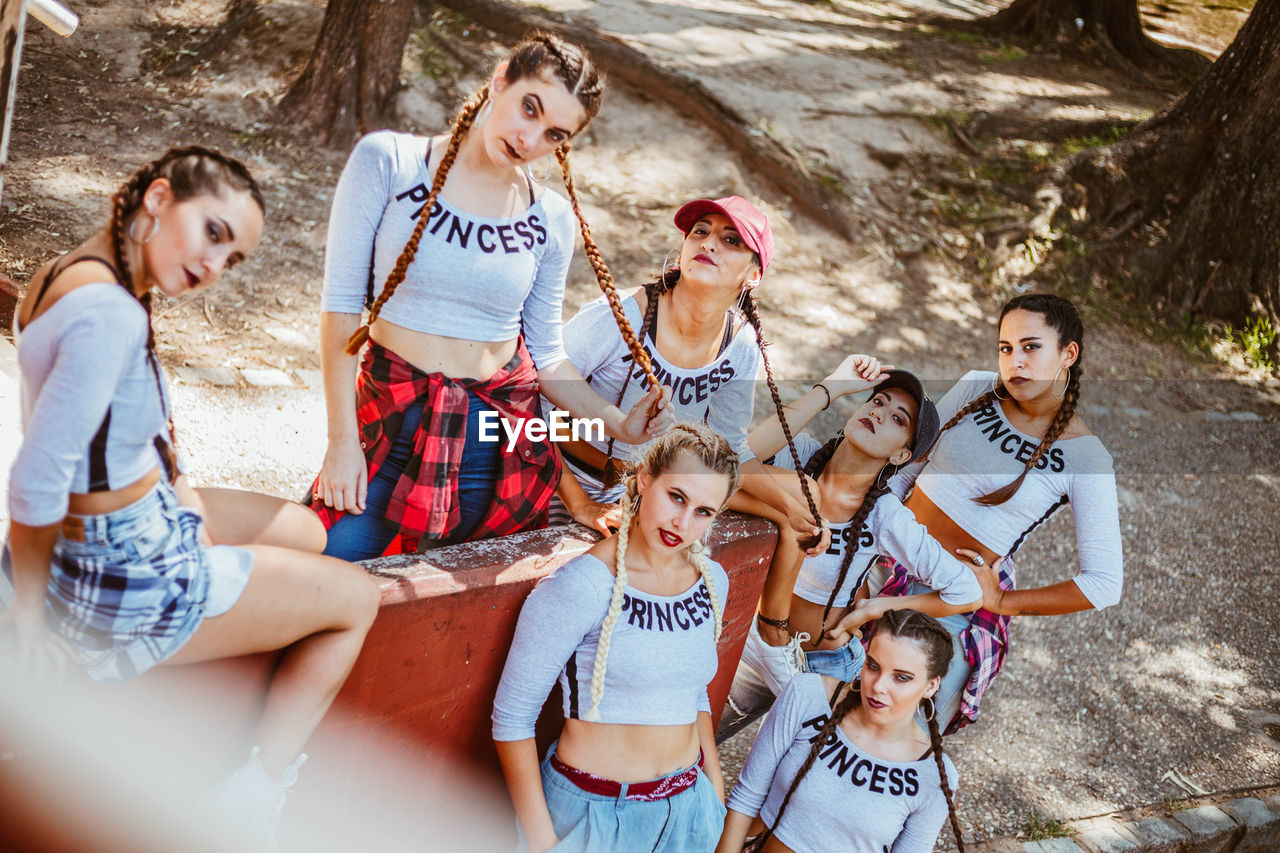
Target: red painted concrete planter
{"points": [[427, 675], [431, 664]]}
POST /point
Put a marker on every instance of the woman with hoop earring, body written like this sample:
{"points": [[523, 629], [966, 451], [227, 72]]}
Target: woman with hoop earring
{"points": [[1013, 449]]}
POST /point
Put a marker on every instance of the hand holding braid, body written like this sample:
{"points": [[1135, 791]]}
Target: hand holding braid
{"points": [[461, 125]]}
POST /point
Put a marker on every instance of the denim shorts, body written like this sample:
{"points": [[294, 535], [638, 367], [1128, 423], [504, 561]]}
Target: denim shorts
{"points": [[691, 821], [750, 697], [135, 588]]}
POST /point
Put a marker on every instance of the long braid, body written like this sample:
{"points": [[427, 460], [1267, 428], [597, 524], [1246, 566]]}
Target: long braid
{"points": [[703, 565], [461, 126], [856, 524], [814, 468], [818, 461], [1059, 423], [935, 737], [615, 606], [827, 735], [603, 276], [753, 317]]}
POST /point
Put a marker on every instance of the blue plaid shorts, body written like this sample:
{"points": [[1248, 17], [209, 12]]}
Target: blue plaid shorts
{"points": [[139, 584]]}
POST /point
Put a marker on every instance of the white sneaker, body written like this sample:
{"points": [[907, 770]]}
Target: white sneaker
{"points": [[249, 803], [777, 665]]}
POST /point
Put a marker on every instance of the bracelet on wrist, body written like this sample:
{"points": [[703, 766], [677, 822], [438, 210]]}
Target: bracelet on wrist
{"points": [[824, 391]]}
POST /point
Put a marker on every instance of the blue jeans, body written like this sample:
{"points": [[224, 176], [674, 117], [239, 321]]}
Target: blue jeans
{"points": [[367, 535], [691, 821], [750, 698]]}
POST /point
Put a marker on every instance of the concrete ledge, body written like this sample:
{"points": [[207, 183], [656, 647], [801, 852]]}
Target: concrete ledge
{"points": [[1212, 830], [429, 669], [1243, 825], [1261, 825]]}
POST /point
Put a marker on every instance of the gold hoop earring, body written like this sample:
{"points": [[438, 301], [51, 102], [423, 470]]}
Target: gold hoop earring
{"points": [[155, 228], [1058, 395], [931, 713], [546, 173], [996, 385]]}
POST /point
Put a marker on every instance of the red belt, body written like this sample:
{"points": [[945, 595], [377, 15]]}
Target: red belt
{"points": [[656, 789]]}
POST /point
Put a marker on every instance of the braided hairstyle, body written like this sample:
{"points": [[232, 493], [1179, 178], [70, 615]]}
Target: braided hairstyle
{"points": [[715, 453], [817, 464], [936, 643], [191, 170], [1062, 317], [753, 317], [538, 55]]}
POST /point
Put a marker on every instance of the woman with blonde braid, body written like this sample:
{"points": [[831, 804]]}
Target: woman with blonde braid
{"points": [[844, 766], [468, 328], [1012, 451], [112, 556], [630, 630]]}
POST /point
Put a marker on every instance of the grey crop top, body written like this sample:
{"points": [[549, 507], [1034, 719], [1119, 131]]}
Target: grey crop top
{"points": [[849, 799], [890, 529], [661, 658], [721, 392], [93, 418], [474, 277], [984, 452]]}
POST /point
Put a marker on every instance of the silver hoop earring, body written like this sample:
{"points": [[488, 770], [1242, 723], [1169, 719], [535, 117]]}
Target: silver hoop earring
{"points": [[155, 228], [743, 295], [996, 385], [483, 115], [672, 260], [546, 173], [1058, 395], [635, 504], [931, 713], [882, 481]]}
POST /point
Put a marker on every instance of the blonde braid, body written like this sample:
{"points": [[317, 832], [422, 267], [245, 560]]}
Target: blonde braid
{"points": [[603, 276], [615, 610], [704, 568], [461, 126]]}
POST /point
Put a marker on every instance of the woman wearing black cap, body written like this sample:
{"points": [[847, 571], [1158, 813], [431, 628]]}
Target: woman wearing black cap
{"points": [[804, 596], [699, 325]]}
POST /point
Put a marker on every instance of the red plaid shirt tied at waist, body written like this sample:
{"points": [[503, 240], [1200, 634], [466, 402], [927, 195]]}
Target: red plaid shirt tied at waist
{"points": [[985, 641], [424, 504]]}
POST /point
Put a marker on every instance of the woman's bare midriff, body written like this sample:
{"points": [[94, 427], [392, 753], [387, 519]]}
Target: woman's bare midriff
{"points": [[456, 357], [627, 753], [101, 503], [940, 526]]}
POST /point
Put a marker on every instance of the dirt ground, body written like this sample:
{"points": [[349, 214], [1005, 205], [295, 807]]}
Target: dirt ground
{"points": [[865, 93]]}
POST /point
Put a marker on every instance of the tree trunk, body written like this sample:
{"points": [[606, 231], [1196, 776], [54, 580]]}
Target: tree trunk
{"points": [[1190, 200], [353, 71], [1105, 30]]}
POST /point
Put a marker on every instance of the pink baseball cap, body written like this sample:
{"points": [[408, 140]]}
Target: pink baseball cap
{"points": [[745, 216]]}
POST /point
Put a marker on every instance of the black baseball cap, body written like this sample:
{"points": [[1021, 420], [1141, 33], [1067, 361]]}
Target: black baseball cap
{"points": [[926, 422]]}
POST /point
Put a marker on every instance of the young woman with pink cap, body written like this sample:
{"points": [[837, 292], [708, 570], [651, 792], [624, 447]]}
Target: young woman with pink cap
{"points": [[700, 328]]}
